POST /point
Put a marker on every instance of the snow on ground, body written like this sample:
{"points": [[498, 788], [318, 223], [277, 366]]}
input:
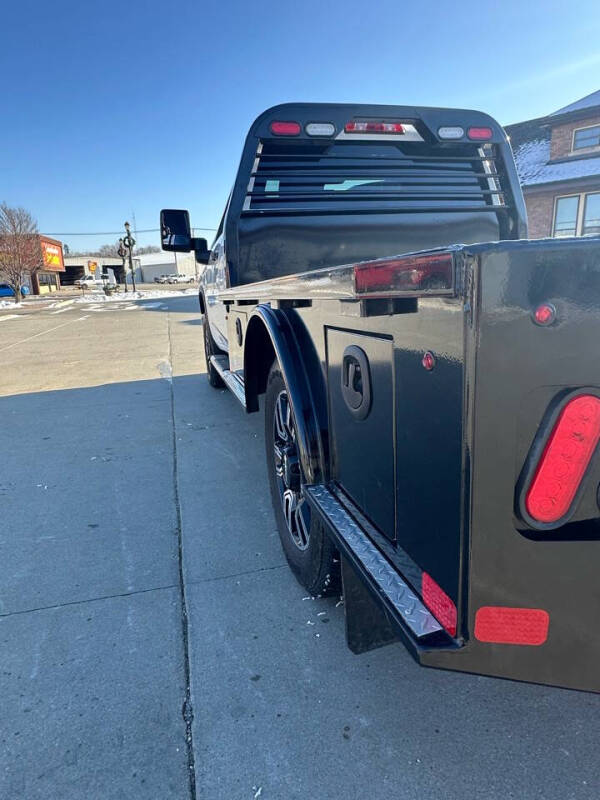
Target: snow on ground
{"points": [[9, 304], [146, 294]]}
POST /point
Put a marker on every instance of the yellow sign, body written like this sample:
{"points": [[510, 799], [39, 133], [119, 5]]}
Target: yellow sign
{"points": [[92, 266]]}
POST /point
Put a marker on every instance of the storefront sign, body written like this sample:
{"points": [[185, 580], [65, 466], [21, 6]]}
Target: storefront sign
{"points": [[52, 256]]}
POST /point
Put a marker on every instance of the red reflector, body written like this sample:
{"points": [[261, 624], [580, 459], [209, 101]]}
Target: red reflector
{"points": [[438, 602], [374, 127], [545, 314], [564, 461], [285, 128], [428, 361], [511, 625], [480, 134], [409, 274]]}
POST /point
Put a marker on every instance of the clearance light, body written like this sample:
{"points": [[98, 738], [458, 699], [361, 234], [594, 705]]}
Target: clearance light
{"points": [[320, 129], [479, 134], [374, 127], [428, 361], [285, 128], [544, 314], [565, 458], [438, 602], [390, 276], [503, 625], [451, 132]]}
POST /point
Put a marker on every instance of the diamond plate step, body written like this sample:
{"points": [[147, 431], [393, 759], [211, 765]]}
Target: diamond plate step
{"points": [[397, 596]]}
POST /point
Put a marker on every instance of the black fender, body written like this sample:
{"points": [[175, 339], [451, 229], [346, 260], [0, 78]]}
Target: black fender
{"points": [[270, 334]]}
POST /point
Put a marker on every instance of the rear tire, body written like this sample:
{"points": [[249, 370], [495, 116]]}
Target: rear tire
{"points": [[210, 349], [307, 548]]}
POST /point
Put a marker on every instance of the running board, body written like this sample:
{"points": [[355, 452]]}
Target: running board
{"points": [[232, 380], [397, 603]]}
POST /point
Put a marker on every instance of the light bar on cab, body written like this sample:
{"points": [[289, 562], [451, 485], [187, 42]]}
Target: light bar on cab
{"points": [[374, 127], [389, 277], [285, 128]]}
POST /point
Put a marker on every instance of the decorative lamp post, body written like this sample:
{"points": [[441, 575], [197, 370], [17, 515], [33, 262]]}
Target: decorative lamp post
{"points": [[129, 243], [122, 252]]}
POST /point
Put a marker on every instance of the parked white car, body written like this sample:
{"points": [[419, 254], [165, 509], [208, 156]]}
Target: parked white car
{"points": [[162, 278], [88, 282], [181, 279]]}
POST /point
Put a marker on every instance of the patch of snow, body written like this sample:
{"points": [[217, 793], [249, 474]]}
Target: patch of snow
{"points": [[145, 294], [9, 304]]}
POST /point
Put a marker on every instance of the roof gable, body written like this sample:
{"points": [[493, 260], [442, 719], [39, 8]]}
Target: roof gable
{"points": [[589, 101]]}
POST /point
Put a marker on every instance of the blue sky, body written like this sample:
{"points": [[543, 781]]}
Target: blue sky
{"points": [[116, 107]]}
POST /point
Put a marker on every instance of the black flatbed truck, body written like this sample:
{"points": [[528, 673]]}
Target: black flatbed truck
{"points": [[432, 418]]}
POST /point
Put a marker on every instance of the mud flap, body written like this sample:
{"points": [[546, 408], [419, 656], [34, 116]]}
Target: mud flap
{"points": [[367, 624]]}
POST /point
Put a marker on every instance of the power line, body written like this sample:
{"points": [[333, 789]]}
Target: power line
{"points": [[116, 233]]}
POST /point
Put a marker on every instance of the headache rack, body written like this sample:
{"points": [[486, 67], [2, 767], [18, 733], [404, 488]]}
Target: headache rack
{"points": [[372, 177]]}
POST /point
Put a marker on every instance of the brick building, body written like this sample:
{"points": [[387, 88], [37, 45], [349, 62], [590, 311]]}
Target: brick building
{"points": [[558, 161]]}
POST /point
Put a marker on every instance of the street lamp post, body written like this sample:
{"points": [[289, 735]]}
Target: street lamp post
{"points": [[129, 243], [122, 251]]}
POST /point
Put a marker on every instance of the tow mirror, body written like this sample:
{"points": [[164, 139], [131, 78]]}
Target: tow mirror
{"points": [[175, 231], [201, 250]]}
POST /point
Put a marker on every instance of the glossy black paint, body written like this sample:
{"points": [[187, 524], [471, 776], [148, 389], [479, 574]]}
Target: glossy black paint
{"points": [[462, 434]]}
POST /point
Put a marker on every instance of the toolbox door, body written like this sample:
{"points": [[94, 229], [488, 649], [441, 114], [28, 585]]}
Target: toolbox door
{"points": [[361, 409]]}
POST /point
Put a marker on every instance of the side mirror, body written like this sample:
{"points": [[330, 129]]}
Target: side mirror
{"points": [[175, 231], [201, 250]]}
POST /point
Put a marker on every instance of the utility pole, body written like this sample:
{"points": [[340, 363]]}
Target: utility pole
{"points": [[129, 243]]}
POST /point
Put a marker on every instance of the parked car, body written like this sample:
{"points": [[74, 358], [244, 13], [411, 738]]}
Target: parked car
{"points": [[432, 418], [162, 278], [181, 279], [8, 291], [88, 282]]}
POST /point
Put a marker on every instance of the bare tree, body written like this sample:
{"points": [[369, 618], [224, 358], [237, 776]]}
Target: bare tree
{"points": [[108, 250], [150, 248], [20, 252]]}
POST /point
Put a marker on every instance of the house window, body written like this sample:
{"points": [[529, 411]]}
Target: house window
{"points": [[566, 211], [577, 215], [591, 215], [584, 138]]}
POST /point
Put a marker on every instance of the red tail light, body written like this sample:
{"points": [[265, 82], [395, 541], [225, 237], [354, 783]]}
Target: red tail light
{"points": [[374, 127], [438, 602], [409, 274], [565, 458], [285, 128], [503, 625], [479, 134]]}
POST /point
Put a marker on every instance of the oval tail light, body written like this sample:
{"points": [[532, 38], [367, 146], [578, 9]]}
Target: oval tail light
{"points": [[479, 134], [285, 128], [564, 460]]}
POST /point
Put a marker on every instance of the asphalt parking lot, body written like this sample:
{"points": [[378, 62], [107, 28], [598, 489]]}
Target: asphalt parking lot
{"points": [[153, 642]]}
